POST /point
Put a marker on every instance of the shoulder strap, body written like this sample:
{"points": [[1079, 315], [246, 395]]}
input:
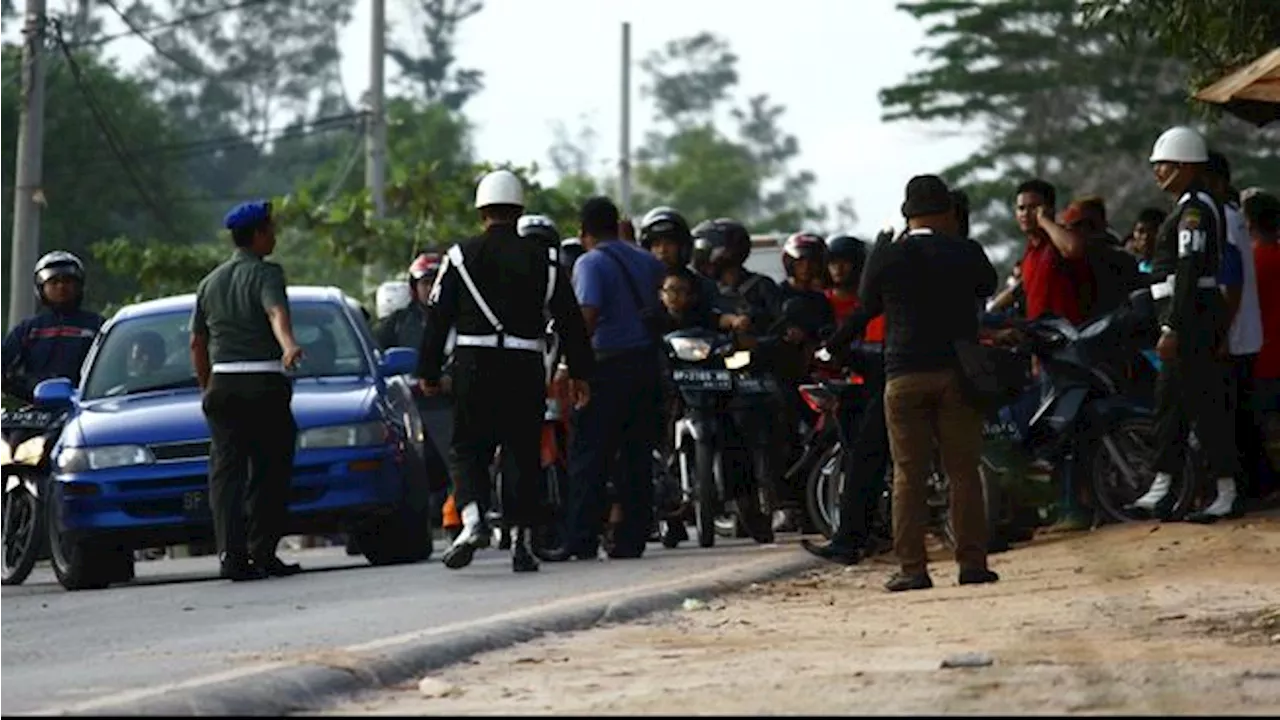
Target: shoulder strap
{"points": [[455, 254], [749, 283], [631, 282]]}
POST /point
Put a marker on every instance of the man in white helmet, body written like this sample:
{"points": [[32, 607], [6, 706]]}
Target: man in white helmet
{"points": [[498, 290], [1187, 261]]}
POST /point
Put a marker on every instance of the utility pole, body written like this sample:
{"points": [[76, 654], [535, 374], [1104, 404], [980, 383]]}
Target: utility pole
{"points": [[375, 167], [27, 196], [624, 140]]}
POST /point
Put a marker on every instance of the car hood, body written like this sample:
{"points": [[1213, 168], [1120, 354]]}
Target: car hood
{"points": [[176, 415]]}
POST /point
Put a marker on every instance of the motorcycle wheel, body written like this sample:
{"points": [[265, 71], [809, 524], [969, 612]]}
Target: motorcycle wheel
{"points": [[707, 499], [23, 534], [823, 488], [1134, 438], [551, 542]]}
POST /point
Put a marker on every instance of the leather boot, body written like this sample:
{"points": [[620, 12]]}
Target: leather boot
{"points": [[522, 557]]}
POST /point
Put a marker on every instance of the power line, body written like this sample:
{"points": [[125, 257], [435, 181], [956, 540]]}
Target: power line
{"points": [[142, 34], [175, 22], [109, 132]]}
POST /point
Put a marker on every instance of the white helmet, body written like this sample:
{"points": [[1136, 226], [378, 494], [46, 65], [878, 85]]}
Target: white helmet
{"points": [[391, 296], [500, 187], [1180, 144]]}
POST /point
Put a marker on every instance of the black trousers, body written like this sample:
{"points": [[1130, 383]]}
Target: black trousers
{"points": [[1194, 390], [1250, 438], [250, 461], [500, 398], [866, 457]]}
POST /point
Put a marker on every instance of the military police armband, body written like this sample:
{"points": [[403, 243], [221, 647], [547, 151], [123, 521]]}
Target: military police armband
{"points": [[1192, 237]]}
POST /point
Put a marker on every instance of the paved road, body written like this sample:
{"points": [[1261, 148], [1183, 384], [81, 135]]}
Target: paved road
{"points": [[177, 621]]}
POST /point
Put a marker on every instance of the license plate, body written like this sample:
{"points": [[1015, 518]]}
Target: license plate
{"points": [[195, 502], [708, 379], [32, 419], [754, 384]]}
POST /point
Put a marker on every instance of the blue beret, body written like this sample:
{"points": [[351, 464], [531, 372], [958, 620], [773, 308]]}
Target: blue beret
{"points": [[247, 214]]}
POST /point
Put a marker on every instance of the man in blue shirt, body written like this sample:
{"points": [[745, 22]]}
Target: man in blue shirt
{"points": [[617, 286]]}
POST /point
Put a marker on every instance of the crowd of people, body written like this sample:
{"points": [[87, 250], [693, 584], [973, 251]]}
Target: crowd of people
{"points": [[519, 312]]}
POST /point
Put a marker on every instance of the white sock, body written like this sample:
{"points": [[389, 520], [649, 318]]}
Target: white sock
{"points": [[470, 524], [1159, 488], [1226, 498]]}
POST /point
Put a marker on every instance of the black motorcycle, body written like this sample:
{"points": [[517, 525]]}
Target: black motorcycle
{"points": [[1085, 430], [29, 435]]}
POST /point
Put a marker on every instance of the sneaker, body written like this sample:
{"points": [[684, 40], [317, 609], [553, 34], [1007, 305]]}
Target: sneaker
{"points": [[839, 553]]}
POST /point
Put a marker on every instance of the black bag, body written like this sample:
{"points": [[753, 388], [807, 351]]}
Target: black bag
{"points": [[651, 314], [991, 377]]}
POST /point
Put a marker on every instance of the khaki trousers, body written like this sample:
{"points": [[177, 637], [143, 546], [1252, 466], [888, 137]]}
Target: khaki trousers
{"points": [[927, 411]]}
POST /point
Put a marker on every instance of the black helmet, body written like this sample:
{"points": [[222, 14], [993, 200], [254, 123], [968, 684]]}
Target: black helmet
{"points": [[58, 263], [570, 251], [847, 247], [540, 227], [799, 246], [663, 222], [728, 241]]}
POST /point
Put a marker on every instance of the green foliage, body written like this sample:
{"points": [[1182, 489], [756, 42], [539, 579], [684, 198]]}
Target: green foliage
{"points": [[692, 164], [87, 195], [433, 76], [1211, 37], [160, 269], [1056, 99]]}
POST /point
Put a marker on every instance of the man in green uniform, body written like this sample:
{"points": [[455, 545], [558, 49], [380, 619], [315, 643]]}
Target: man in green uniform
{"points": [[241, 343]]}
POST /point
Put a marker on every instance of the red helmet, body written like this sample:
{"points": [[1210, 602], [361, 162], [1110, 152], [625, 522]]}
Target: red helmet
{"points": [[424, 266], [802, 245]]}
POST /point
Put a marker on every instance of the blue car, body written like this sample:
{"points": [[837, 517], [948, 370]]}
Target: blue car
{"points": [[130, 469]]}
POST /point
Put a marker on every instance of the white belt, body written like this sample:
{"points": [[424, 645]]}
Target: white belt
{"points": [[250, 366], [504, 342], [1162, 290]]}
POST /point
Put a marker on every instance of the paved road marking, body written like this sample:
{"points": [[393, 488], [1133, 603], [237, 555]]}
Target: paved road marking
{"points": [[127, 696]]}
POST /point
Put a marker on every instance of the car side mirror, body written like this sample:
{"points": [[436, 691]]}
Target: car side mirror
{"points": [[54, 391], [398, 361]]}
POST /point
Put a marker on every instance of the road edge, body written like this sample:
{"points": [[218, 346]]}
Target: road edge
{"points": [[311, 687]]}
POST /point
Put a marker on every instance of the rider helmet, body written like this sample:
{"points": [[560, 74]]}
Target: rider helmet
{"points": [[668, 224], [59, 263], [728, 240], [800, 246], [539, 227], [571, 250]]}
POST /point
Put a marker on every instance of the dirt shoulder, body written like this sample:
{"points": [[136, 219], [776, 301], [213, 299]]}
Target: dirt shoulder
{"points": [[1172, 619]]}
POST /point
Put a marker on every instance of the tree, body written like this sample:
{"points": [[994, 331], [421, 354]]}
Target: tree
{"points": [[433, 77], [88, 194], [1211, 37], [691, 164], [1056, 99]]}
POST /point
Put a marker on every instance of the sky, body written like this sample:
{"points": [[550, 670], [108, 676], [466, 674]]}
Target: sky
{"points": [[560, 60]]}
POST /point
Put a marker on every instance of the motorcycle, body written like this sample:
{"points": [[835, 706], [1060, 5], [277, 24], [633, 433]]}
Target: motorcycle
{"points": [[727, 399], [29, 435], [1085, 431]]}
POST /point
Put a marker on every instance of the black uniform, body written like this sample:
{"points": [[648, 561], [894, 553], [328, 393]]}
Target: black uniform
{"points": [[247, 405], [499, 382], [1193, 387]]}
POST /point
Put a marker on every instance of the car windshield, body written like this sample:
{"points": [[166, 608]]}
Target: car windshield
{"points": [[151, 352]]}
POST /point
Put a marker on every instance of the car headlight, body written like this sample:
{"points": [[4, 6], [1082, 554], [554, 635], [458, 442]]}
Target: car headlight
{"points": [[690, 349], [339, 436], [79, 459]]}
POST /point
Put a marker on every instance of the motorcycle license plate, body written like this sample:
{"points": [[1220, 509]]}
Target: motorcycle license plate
{"points": [[195, 502], [30, 419], [702, 379], [755, 384]]}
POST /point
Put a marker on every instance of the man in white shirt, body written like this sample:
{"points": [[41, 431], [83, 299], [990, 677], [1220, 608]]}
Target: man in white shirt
{"points": [[1245, 338]]}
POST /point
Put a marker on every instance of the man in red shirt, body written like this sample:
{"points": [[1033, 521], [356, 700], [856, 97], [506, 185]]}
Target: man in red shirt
{"points": [[1262, 217], [1055, 273]]}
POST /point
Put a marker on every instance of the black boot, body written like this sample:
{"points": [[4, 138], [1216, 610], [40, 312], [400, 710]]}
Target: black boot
{"points": [[522, 557], [841, 552], [238, 568]]}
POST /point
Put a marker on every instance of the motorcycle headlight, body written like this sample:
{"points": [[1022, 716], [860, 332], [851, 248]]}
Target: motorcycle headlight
{"points": [[79, 459], [5, 456], [691, 349], [340, 436], [738, 360], [29, 452]]}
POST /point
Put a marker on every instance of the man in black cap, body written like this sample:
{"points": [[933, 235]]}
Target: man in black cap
{"points": [[923, 398], [241, 343]]}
